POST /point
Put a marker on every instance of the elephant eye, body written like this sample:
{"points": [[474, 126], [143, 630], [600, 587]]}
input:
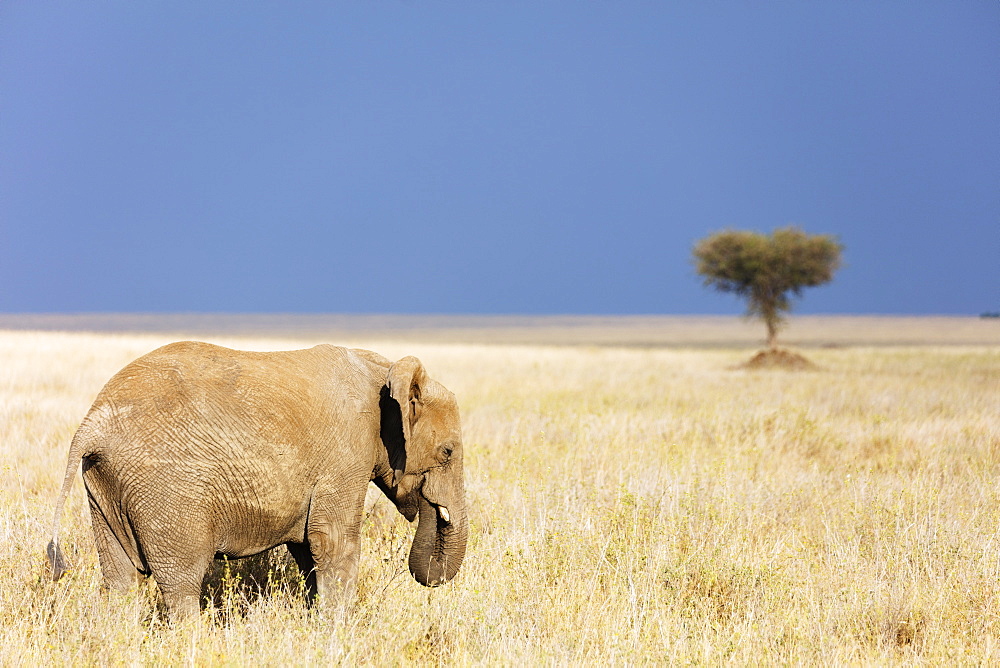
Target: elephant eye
{"points": [[447, 449]]}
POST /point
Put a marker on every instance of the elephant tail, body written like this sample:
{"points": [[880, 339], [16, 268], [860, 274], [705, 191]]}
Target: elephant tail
{"points": [[56, 560]]}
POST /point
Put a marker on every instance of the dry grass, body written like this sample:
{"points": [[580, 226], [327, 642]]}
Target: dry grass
{"points": [[629, 506]]}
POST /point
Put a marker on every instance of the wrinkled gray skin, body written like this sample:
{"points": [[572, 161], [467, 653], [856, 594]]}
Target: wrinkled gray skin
{"points": [[195, 452]]}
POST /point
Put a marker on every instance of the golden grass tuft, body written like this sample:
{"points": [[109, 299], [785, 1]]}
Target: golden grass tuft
{"points": [[629, 505]]}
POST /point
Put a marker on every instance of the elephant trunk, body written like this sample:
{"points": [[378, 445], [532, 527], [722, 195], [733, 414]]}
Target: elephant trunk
{"points": [[439, 543]]}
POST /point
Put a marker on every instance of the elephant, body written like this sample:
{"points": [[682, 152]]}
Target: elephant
{"points": [[195, 451]]}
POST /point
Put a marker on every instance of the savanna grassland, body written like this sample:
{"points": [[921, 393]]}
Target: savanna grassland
{"points": [[629, 505]]}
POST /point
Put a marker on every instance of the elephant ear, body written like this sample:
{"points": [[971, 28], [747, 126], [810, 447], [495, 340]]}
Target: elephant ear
{"points": [[405, 380]]}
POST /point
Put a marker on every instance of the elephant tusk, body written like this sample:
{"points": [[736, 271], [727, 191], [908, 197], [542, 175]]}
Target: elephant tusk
{"points": [[444, 514]]}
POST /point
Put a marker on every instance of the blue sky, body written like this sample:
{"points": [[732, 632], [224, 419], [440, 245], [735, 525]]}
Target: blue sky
{"points": [[491, 156]]}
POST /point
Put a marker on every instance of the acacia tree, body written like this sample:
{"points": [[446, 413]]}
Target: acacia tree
{"points": [[764, 269]]}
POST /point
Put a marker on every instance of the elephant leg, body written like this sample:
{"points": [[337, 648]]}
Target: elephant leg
{"points": [[303, 559], [182, 599], [334, 546], [179, 574], [117, 570]]}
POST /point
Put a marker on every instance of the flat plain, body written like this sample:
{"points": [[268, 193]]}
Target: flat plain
{"points": [[635, 499]]}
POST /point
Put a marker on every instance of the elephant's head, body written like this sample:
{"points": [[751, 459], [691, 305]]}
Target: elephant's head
{"points": [[423, 435]]}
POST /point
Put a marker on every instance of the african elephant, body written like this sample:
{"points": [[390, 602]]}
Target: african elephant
{"points": [[194, 452]]}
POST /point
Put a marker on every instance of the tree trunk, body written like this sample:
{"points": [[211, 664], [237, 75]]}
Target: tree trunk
{"points": [[772, 333]]}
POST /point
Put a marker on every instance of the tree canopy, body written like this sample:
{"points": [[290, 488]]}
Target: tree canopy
{"points": [[766, 269]]}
